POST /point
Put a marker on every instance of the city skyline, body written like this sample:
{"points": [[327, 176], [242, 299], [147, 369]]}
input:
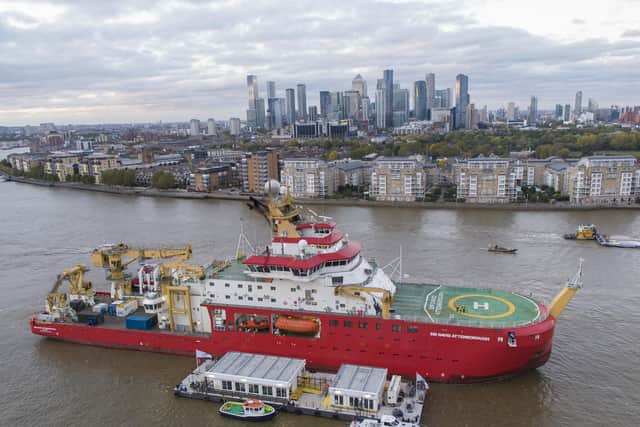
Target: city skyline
{"points": [[97, 63]]}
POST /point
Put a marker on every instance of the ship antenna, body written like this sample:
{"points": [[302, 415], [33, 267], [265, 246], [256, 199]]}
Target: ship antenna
{"points": [[242, 240], [400, 261]]}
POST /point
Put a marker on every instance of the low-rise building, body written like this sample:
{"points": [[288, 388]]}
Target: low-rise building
{"points": [[308, 178], [211, 178], [354, 173], [487, 179], [607, 180], [25, 162], [397, 179]]}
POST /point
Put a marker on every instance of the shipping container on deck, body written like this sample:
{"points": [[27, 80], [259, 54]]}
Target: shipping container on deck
{"points": [[141, 321]]}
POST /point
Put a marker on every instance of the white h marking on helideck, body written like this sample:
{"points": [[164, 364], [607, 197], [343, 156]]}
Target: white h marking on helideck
{"points": [[477, 305]]}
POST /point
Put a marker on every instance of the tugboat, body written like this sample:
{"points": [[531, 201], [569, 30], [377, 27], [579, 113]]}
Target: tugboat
{"points": [[501, 249], [583, 232], [249, 410]]}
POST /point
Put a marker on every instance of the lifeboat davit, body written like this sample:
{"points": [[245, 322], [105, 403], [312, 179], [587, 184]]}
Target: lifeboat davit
{"points": [[298, 325]]}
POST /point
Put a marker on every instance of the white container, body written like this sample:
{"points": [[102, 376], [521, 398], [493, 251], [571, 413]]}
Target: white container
{"points": [[126, 308], [394, 390], [100, 308]]}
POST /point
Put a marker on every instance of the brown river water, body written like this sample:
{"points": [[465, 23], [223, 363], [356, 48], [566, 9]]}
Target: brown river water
{"points": [[592, 378]]}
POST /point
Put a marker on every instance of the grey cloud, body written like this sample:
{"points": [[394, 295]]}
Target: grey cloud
{"points": [[191, 61]]}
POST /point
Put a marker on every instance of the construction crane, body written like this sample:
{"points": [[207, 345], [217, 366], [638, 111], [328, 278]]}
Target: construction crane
{"points": [[57, 302], [111, 257], [356, 292]]}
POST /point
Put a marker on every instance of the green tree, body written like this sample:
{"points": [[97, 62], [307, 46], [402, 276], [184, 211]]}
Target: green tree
{"points": [[163, 180]]}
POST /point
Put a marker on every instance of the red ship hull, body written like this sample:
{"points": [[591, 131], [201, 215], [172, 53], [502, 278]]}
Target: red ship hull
{"points": [[441, 353]]}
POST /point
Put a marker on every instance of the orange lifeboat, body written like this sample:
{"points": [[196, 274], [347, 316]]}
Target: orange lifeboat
{"points": [[298, 325], [253, 323]]}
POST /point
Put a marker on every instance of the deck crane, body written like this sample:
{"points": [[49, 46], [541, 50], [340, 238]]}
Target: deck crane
{"points": [[113, 258], [58, 302]]}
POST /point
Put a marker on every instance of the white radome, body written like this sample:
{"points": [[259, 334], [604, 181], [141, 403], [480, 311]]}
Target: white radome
{"points": [[272, 187]]}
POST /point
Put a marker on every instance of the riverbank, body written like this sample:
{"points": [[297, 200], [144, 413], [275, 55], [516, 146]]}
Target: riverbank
{"points": [[183, 194]]}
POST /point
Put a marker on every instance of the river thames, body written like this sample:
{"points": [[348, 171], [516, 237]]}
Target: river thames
{"points": [[592, 377]]}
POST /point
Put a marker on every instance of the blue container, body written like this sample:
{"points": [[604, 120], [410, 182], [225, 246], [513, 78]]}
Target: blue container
{"points": [[141, 322]]}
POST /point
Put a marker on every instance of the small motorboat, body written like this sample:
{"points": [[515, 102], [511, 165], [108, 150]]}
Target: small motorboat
{"points": [[249, 410], [501, 249], [385, 420]]}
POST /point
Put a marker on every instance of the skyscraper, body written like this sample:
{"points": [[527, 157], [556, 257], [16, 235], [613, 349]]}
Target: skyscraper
{"points": [[352, 104], [313, 113], [194, 126], [302, 101], [430, 80], [558, 112], [400, 106], [533, 111], [388, 93], [381, 112], [567, 112], [462, 100], [234, 126], [420, 99], [271, 89], [577, 108], [252, 90], [442, 98], [290, 100], [359, 85], [366, 109], [259, 112], [325, 100], [511, 111], [211, 127]]}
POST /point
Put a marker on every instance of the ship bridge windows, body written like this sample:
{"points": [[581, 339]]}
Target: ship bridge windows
{"points": [[336, 280]]}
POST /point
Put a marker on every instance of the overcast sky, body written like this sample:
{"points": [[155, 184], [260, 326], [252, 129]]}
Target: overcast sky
{"points": [[96, 61]]}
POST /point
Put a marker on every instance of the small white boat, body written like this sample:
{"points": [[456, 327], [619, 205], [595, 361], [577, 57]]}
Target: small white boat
{"points": [[384, 421]]}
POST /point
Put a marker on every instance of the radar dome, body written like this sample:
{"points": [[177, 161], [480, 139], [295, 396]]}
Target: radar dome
{"points": [[272, 187], [302, 244]]}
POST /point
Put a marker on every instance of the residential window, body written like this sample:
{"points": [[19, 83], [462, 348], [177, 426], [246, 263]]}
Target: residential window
{"points": [[240, 387], [226, 385], [281, 392], [254, 388], [267, 390]]}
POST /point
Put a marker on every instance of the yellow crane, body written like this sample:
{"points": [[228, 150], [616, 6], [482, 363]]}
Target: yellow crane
{"points": [[111, 257], [356, 292], [57, 302]]}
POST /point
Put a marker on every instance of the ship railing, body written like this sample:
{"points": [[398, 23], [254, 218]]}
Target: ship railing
{"points": [[469, 322]]}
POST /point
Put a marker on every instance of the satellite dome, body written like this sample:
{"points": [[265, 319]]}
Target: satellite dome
{"points": [[272, 187]]}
